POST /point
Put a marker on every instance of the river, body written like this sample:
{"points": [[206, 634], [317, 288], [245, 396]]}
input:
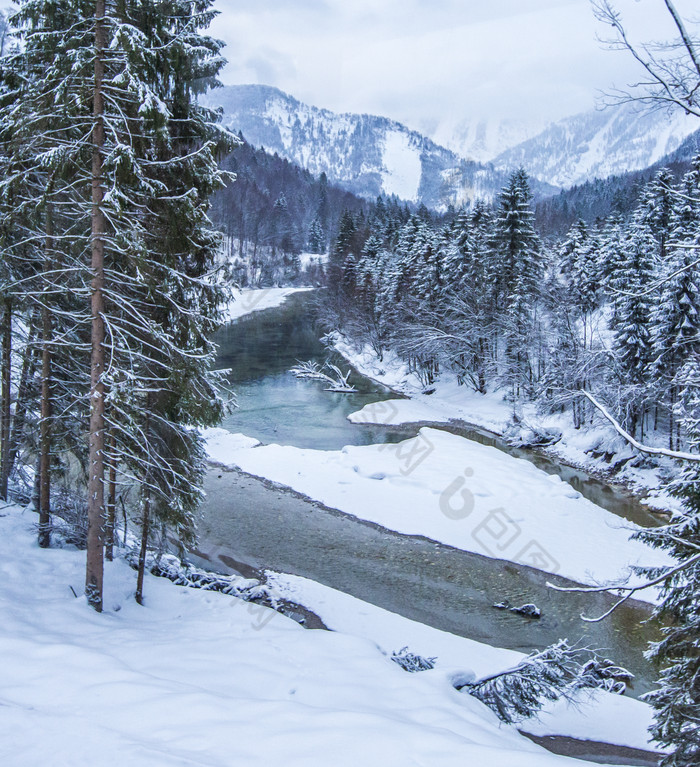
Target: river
{"points": [[247, 523]]}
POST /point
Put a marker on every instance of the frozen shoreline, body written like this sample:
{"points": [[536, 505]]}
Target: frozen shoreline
{"points": [[451, 402], [460, 493], [250, 300]]}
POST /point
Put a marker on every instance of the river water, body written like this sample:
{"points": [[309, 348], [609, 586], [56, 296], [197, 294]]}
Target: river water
{"points": [[247, 522]]}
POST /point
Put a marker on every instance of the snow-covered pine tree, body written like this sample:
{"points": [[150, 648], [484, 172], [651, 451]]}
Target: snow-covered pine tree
{"points": [[677, 701], [174, 298], [147, 153], [657, 209], [676, 314], [345, 244], [632, 264], [516, 270], [317, 237], [40, 133], [578, 263]]}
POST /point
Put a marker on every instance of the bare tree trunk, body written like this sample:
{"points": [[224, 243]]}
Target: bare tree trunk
{"points": [[45, 406], [5, 407], [19, 420], [45, 434], [671, 427], [145, 524], [96, 507], [111, 503]]}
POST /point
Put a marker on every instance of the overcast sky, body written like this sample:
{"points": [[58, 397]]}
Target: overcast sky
{"points": [[424, 61]]}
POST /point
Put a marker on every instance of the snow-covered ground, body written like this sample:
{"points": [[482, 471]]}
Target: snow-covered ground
{"points": [[249, 300], [449, 401], [202, 678], [220, 443], [602, 716]]}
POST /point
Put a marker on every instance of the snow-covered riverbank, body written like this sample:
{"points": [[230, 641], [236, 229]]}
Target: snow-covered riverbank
{"points": [[457, 492], [616, 719], [249, 300], [202, 678], [468, 495], [595, 448]]}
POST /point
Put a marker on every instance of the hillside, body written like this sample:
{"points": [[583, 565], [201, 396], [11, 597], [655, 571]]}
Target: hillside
{"points": [[364, 154], [599, 144]]}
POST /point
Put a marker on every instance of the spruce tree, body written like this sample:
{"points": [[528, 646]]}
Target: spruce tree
{"points": [[631, 321], [677, 701], [516, 270], [142, 155]]}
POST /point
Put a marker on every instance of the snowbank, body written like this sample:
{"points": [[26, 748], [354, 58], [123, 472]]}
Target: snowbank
{"points": [[251, 300], [464, 494], [201, 678], [219, 443], [610, 718], [449, 401]]}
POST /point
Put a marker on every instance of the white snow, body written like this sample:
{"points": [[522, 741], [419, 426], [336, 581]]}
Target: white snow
{"points": [[249, 300], [220, 442], [203, 679], [603, 716], [449, 401], [464, 494], [402, 166], [312, 259], [482, 138]]}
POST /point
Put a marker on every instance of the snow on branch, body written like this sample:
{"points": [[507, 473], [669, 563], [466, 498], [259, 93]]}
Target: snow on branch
{"points": [[558, 671], [679, 455], [338, 382]]}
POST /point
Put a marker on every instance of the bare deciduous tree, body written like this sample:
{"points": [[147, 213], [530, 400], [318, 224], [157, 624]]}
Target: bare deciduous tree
{"points": [[671, 67]]}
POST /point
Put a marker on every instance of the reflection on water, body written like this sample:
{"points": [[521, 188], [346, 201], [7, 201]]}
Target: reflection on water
{"points": [[443, 587], [273, 405]]}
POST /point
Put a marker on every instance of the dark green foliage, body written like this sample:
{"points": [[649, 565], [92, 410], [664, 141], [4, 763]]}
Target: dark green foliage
{"points": [[559, 671], [677, 701]]}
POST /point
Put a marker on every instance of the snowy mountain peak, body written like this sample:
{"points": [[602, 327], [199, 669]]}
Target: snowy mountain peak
{"points": [[483, 138], [366, 154], [371, 155], [598, 144]]}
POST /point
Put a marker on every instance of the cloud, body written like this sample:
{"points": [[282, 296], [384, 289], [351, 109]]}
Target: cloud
{"points": [[269, 66], [422, 60]]}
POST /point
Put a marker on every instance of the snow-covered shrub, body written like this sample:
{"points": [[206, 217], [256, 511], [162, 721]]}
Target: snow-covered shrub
{"points": [[559, 671], [170, 567], [69, 520], [411, 662]]}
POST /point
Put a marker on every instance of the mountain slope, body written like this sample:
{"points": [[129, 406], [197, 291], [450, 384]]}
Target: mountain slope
{"points": [[365, 154], [599, 144], [482, 139], [619, 193]]}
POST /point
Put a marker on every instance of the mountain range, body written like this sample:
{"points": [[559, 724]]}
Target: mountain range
{"points": [[598, 144], [371, 155], [365, 154]]}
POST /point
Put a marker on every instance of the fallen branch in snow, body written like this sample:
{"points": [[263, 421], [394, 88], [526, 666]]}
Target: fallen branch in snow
{"points": [[411, 662], [638, 445], [558, 671], [338, 382], [170, 567]]}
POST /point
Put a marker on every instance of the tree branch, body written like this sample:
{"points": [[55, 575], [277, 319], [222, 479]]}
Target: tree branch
{"points": [[681, 456]]}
